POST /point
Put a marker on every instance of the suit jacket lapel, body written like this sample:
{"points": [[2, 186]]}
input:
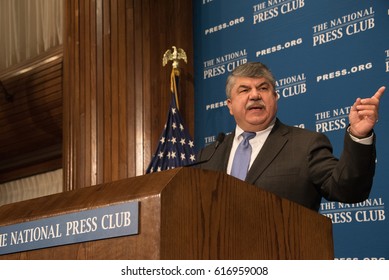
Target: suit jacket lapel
{"points": [[272, 146]]}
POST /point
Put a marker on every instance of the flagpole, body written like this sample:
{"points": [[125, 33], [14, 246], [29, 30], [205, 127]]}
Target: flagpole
{"points": [[176, 55], [175, 145], [173, 85]]}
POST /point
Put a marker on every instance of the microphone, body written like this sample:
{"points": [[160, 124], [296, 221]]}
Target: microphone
{"points": [[219, 140]]}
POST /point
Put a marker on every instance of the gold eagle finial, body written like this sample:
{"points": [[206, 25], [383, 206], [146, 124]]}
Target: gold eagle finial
{"points": [[175, 56]]}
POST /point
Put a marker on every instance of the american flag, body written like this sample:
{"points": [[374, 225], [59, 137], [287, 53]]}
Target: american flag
{"points": [[175, 147]]}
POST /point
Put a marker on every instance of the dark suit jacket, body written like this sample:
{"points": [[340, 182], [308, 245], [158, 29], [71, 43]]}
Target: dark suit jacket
{"points": [[298, 165]]}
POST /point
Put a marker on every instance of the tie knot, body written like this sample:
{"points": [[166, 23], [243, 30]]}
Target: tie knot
{"points": [[248, 135]]}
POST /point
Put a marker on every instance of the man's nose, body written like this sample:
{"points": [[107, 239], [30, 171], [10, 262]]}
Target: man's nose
{"points": [[255, 95]]}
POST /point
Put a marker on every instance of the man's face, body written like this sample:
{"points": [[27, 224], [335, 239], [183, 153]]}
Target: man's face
{"points": [[253, 103]]}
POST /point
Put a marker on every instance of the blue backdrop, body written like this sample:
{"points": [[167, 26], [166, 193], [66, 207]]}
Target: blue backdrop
{"points": [[324, 54]]}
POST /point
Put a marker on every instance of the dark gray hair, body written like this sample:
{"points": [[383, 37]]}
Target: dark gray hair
{"points": [[250, 70]]}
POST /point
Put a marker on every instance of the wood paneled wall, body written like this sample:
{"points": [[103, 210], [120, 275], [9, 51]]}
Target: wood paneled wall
{"points": [[116, 92], [31, 117]]}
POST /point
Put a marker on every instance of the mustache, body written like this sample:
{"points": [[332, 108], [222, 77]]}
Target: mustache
{"points": [[255, 104]]}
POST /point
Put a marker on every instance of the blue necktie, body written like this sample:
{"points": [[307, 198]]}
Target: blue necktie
{"points": [[241, 162]]}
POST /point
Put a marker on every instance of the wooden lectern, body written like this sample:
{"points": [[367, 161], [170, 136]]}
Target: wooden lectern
{"points": [[186, 213]]}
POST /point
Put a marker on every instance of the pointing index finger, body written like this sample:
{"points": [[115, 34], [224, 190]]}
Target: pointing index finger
{"points": [[379, 93]]}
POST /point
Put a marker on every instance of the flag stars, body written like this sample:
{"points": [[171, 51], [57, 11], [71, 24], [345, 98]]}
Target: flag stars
{"points": [[175, 147], [173, 140]]}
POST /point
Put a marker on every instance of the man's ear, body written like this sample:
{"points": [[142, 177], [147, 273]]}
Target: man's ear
{"points": [[277, 95], [229, 105]]}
